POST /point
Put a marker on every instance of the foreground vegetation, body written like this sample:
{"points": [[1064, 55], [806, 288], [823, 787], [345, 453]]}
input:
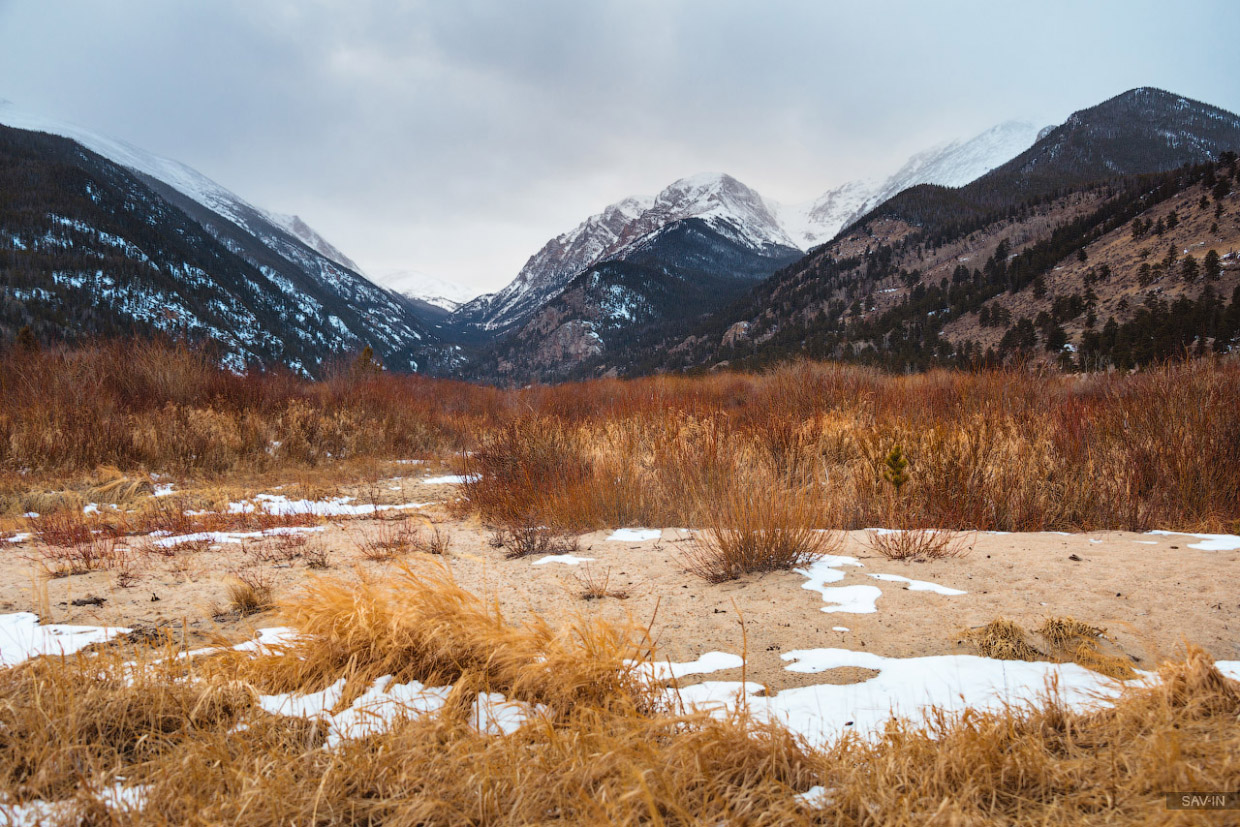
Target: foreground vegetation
{"points": [[604, 749], [996, 450]]}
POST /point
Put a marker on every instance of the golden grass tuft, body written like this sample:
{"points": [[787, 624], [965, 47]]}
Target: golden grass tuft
{"points": [[1067, 639], [250, 593], [1003, 639]]}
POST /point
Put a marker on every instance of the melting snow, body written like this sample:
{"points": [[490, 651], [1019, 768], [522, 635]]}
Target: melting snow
{"points": [[335, 507], [904, 687], [919, 585], [39, 811], [452, 479], [218, 537], [851, 599], [634, 535], [566, 559], [22, 638], [1210, 542], [385, 703], [655, 671]]}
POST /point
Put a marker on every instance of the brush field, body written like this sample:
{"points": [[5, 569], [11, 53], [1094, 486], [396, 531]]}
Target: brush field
{"points": [[680, 600]]}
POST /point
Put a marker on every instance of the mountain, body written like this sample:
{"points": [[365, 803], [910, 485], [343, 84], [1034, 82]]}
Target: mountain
{"points": [[432, 290], [951, 164], [1112, 241], [248, 283], [677, 274], [1141, 131], [727, 209]]}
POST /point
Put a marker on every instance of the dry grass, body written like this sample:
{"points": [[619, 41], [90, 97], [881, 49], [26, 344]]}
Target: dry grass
{"points": [[596, 587], [1000, 450], [250, 593], [388, 540], [1067, 641], [919, 544], [525, 539], [1003, 639], [755, 528], [601, 754]]}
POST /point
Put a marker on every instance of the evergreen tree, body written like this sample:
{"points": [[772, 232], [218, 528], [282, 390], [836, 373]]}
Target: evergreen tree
{"points": [[1211, 266], [1189, 269]]}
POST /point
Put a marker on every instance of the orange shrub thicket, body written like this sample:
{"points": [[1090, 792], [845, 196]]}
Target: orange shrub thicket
{"points": [[1002, 450]]}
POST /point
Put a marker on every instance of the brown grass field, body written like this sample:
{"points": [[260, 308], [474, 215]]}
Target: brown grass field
{"points": [[776, 470]]}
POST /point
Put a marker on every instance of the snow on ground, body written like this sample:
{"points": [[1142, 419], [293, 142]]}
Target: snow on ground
{"points": [[335, 507], [815, 798], [634, 535], [1209, 542], [220, 537], [385, 703], [904, 687], [20, 537], [655, 671], [919, 585], [451, 479], [851, 599], [37, 812], [164, 489], [566, 559], [269, 638], [22, 637]]}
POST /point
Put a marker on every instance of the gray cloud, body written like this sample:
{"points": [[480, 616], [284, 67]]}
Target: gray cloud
{"points": [[456, 137]]}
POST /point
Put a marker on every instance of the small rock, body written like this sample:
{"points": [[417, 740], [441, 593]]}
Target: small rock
{"points": [[1074, 558], [88, 601]]}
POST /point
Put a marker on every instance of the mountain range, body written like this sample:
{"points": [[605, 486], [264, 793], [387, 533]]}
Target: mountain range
{"points": [[110, 240], [267, 288]]}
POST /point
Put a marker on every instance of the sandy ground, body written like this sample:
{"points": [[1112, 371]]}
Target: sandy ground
{"points": [[1152, 593]]}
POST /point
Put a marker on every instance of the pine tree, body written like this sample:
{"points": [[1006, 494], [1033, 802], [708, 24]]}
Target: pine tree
{"points": [[895, 467], [1189, 268], [1211, 266]]}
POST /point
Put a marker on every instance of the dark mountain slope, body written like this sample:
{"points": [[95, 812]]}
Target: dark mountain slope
{"points": [[941, 276], [682, 271], [88, 247], [1141, 131]]}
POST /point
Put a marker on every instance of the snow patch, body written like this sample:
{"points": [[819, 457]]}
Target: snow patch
{"points": [[22, 637], [634, 535]]}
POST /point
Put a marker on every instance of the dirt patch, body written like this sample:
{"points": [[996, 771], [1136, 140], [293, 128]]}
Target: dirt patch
{"points": [[1151, 592]]}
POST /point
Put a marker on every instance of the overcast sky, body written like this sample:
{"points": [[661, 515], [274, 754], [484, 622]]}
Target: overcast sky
{"points": [[456, 137]]}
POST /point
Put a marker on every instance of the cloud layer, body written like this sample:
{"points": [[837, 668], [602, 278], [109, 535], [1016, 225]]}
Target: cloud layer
{"points": [[456, 137]]}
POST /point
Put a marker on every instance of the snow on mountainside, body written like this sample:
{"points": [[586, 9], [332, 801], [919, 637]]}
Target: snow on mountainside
{"points": [[430, 289], [290, 255], [303, 232], [736, 212], [724, 204], [952, 164], [184, 179]]}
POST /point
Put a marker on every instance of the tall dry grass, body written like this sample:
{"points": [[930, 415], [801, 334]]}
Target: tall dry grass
{"points": [[1000, 450], [191, 732]]}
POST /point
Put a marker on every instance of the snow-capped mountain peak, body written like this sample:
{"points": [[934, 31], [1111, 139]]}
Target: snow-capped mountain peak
{"points": [[951, 164], [430, 289], [727, 206]]}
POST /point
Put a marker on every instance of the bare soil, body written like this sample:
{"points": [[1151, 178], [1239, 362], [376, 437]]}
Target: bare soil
{"points": [[1152, 593]]}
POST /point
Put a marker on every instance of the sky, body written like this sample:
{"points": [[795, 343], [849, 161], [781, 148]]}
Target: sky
{"points": [[456, 137]]}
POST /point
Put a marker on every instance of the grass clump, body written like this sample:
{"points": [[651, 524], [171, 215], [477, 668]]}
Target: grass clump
{"points": [[918, 544], [1003, 639], [1067, 641], [752, 529], [250, 593]]}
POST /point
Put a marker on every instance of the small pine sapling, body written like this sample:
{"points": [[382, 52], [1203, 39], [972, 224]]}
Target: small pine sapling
{"points": [[895, 468]]}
